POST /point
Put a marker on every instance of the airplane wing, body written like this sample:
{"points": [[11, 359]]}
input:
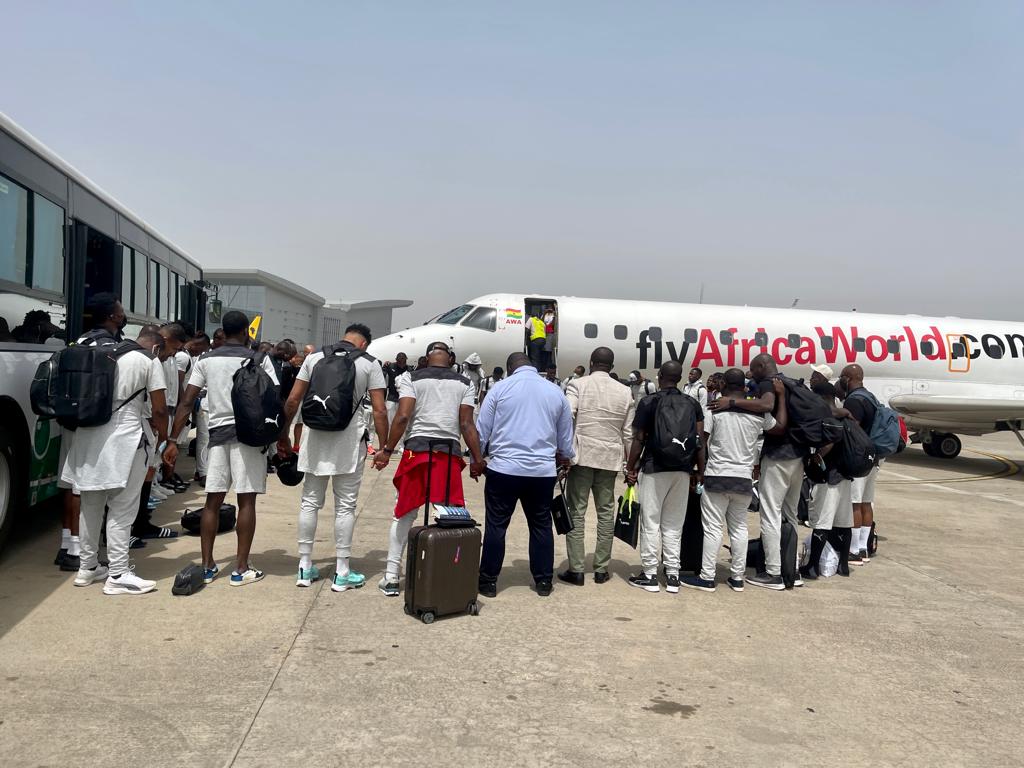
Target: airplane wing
{"points": [[966, 415]]}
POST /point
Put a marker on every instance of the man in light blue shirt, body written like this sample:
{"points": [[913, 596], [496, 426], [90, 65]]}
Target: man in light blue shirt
{"points": [[525, 428]]}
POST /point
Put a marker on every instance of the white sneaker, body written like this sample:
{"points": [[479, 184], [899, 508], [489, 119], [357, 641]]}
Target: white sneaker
{"points": [[127, 583], [158, 491], [86, 577]]}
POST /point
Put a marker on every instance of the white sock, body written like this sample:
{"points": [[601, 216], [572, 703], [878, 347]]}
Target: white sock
{"points": [[390, 578], [65, 538], [854, 541], [305, 562], [865, 534], [74, 546], [341, 566]]}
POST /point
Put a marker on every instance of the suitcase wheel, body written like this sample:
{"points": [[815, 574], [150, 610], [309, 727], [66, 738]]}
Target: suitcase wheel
{"points": [[427, 617], [474, 608], [407, 611]]}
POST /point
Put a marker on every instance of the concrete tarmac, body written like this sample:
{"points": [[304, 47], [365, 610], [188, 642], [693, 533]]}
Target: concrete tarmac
{"points": [[915, 660]]}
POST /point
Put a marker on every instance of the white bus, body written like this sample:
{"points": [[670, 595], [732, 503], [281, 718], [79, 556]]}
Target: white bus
{"points": [[62, 240]]}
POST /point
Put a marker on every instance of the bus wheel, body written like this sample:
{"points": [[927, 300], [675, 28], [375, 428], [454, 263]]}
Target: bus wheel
{"points": [[8, 485]]}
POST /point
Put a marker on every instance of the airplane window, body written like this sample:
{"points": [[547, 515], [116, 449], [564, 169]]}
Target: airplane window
{"points": [[725, 337], [690, 335], [793, 341], [654, 333], [761, 339], [590, 330], [994, 350], [927, 348], [484, 318], [957, 349], [452, 317], [827, 343], [893, 346], [860, 344], [621, 332]]}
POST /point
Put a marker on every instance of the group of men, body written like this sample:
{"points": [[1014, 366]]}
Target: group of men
{"points": [[518, 431]]}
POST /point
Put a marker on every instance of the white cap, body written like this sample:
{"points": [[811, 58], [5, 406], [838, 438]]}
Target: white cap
{"points": [[633, 378], [824, 370], [473, 359]]}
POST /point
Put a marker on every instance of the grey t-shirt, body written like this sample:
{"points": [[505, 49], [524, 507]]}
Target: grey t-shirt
{"points": [[734, 446], [215, 373], [439, 392]]}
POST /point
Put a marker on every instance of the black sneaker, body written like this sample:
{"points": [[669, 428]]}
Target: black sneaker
{"points": [[808, 572], [488, 588], [543, 588], [696, 582], [863, 554], [766, 581], [671, 583], [736, 585], [61, 554], [645, 582], [70, 563], [856, 559]]}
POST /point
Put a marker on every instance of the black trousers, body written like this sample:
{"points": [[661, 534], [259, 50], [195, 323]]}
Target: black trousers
{"points": [[537, 354], [501, 494]]}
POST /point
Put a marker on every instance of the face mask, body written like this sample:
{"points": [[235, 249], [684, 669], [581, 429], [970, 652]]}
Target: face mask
{"points": [[123, 323]]}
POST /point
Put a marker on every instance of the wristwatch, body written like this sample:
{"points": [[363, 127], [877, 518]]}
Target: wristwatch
{"points": [[732, 402], [387, 450]]}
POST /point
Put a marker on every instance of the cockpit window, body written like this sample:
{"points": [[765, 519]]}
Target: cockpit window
{"points": [[484, 318], [452, 317]]}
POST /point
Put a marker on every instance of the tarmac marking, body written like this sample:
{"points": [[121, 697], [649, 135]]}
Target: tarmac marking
{"points": [[931, 484], [1008, 469]]}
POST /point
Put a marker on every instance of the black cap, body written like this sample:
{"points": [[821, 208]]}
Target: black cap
{"points": [[288, 469]]}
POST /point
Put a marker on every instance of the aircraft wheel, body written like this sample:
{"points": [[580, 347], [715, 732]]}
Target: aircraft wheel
{"points": [[946, 446], [929, 447]]}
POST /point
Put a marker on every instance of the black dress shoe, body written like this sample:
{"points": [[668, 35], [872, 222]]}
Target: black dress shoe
{"points": [[543, 588], [571, 577], [487, 589], [601, 577]]}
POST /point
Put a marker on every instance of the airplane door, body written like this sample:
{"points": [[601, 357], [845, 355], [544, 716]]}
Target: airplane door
{"points": [[541, 355], [958, 349]]}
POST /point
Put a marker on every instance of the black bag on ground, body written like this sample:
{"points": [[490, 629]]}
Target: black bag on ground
{"points": [[803, 512], [811, 423], [674, 439], [855, 453], [560, 511], [76, 385], [787, 545], [627, 519], [873, 540], [330, 400], [188, 580], [190, 519], [691, 548], [256, 403]]}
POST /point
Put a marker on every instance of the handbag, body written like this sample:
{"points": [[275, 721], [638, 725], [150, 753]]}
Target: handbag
{"points": [[627, 521], [560, 511], [188, 580]]}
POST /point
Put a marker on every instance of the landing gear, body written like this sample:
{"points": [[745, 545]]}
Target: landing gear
{"points": [[943, 445]]}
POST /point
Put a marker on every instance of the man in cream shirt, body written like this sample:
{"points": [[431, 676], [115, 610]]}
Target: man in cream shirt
{"points": [[603, 411]]}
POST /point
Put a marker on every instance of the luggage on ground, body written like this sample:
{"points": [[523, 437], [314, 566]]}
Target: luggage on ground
{"points": [[256, 403], [330, 401], [873, 540], [225, 522], [691, 549], [188, 580], [788, 542], [443, 564], [627, 520]]}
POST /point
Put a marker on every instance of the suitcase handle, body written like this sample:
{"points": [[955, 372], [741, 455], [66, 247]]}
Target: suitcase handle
{"points": [[430, 471]]}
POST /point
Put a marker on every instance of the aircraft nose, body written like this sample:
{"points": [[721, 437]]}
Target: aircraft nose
{"points": [[387, 348]]}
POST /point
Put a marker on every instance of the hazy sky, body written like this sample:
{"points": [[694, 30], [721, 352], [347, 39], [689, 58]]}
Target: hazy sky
{"points": [[849, 154]]}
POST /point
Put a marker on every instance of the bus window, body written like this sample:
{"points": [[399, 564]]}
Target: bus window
{"points": [[484, 318], [13, 231], [153, 288], [452, 317], [140, 299], [127, 262], [47, 245]]}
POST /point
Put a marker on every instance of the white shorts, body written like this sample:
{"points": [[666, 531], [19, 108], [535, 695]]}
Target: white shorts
{"points": [[237, 467], [65, 447], [863, 490]]}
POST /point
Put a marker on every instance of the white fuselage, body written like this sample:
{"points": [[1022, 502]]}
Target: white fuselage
{"points": [[920, 359]]}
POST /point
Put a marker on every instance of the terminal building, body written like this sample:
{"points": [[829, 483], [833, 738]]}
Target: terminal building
{"points": [[290, 311]]}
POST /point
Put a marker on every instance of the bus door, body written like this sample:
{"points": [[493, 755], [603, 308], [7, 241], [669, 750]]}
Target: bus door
{"points": [[94, 268], [544, 355]]}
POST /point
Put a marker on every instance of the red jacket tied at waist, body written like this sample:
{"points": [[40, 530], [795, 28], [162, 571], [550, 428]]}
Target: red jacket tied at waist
{"points": [[411, 481]]}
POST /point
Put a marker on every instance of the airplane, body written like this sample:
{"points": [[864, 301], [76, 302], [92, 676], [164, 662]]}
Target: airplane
{"points": [[946, 376]]}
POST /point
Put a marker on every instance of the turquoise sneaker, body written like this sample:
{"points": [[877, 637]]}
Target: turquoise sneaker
{"points": [[352, 581], [307, 576]]}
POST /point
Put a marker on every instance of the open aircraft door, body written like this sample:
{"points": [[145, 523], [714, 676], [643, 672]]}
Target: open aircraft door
{"points": [[539, 307]]}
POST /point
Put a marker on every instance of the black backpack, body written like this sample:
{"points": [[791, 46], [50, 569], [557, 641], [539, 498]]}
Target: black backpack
{"points": [[811, 423], [330, 400], [787, 547], [257, 404], [674, 440], [75, 385], [855, 453]]}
